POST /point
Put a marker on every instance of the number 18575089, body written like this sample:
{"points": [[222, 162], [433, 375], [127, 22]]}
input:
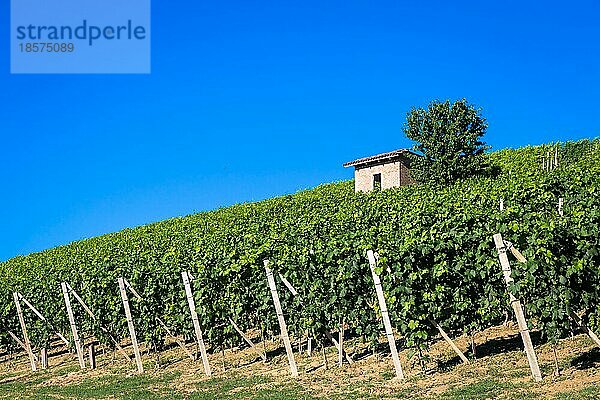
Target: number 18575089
{"points": [[43, 47]]}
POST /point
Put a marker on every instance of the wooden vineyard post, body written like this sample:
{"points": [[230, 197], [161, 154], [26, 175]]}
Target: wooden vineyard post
{"points": [[92, 356], [44, 358], [222, 356], [192, 306], [385, 316], [247, 339], [24, 330], [281, 319], [545, 162], [341, 346], [134, 342], [76, 339], [450, 341], [517, 308], [560, 206]]}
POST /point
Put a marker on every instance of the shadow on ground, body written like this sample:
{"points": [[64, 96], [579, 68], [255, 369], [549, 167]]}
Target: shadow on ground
{"points": [[589, 359]]}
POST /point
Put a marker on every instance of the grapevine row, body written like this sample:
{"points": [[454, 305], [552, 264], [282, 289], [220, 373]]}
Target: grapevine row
{"points": [[437, 260]]}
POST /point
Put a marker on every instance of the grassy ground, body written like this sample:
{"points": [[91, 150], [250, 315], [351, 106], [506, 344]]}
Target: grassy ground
{"points": [[500, 372]]}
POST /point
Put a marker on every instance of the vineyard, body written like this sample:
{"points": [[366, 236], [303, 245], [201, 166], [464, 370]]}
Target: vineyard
{"points": [[437, 262]]}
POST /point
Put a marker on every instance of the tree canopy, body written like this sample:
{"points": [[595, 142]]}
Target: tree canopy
{"points": [[447, 140]]}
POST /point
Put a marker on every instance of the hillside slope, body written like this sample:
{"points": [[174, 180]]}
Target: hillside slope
{"points": [[437, 259]]}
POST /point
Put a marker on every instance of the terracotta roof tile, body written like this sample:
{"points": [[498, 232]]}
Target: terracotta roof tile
{"points": [[379, 157]]}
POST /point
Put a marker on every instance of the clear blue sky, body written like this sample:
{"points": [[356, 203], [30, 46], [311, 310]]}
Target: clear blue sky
{"points": [[249, 100]]}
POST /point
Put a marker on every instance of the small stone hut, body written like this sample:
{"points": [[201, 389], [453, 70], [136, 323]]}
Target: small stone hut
{"points": [[382, 171]]}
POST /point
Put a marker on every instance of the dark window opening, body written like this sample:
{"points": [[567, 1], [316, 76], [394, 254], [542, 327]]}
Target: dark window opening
{"points": [[376, 181]]}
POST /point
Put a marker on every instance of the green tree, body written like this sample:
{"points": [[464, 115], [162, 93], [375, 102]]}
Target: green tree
{"points": [[447, 140]]}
